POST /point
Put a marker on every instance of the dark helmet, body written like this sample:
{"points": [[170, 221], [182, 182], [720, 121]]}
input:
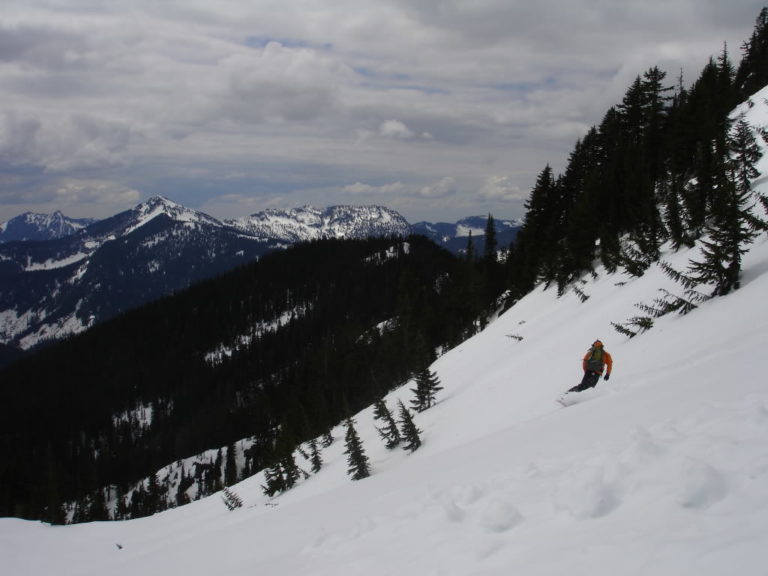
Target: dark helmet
{"points": [[597, 344]]}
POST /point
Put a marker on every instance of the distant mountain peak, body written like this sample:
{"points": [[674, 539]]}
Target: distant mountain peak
{"points": [[309, 223], [31, 226]]}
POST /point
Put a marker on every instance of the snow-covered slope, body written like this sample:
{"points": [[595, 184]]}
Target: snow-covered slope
{"points": [[663, 470]]}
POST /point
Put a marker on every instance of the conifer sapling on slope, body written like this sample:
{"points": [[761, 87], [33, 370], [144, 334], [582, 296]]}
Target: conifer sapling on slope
{"points": [[315, 458], [411, 434], [359, 465], [389, 433], [427, 387]]}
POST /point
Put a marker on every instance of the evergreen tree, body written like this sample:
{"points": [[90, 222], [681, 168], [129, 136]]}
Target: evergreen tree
{"points": [[427, 387], [389, 433], [752, 74], [744, 156], [410, 433], [230, 466], [315, 458], [732, 224], [274, 482], [470, 250], [231, 499], [491, 245], [358, 463], [291, 471]]}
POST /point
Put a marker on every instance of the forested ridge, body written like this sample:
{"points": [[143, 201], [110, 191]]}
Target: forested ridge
{"points": [[323, 329], [665, 164], [313, 334]]}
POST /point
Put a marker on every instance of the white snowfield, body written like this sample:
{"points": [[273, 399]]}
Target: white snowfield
{"points": [[662, 470]]}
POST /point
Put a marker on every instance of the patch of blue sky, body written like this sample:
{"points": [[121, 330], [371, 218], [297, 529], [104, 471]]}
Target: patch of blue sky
{"points": [[526, 87], [389, 81]]}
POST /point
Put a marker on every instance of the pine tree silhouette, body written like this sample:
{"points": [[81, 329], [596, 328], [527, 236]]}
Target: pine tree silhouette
{"points": [[411, 434], [359, 465], [427, 387], [389, 433], [315, 458]]}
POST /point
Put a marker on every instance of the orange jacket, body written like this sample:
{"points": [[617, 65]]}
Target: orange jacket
{"points": [[607, 360]]}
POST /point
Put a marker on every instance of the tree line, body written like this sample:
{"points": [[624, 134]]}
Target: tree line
{"points": [[665, 164]]}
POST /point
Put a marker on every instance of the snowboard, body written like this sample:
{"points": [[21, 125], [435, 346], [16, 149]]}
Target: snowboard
{"points": [[571, 398]]}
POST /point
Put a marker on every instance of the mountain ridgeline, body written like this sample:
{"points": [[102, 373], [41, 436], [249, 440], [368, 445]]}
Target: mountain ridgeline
{"points": [[78, 277], [277, 351]]}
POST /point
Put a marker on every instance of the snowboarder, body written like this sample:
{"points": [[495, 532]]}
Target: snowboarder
{"points": [[595, 361]]}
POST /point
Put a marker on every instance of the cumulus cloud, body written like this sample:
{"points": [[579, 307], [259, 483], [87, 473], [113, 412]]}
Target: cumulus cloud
{"points": [[360, 189], [71, 192], [443, 188], [397, 130], [501, 188], [64, 143], [282, 83]]}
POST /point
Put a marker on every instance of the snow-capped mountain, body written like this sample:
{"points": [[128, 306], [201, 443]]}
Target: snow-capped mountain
{"points": [[308, 223], [62, 286], [454, 236], [32, 226]]}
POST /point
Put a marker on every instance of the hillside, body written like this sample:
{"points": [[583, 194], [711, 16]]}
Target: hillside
{"points": [[662, 470]]}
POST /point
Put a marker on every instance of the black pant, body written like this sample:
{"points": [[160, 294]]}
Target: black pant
{"points": [[589, 381]]}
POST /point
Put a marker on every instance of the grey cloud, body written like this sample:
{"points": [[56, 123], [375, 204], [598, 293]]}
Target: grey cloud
{"points": [[41, 47], [365, 91], [282, 83], [59, 144]]}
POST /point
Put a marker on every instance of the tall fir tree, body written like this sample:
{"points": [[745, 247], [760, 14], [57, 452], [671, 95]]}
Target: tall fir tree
{"points": [[732, 224], [491, 244], [230, 466], [752, 74]]}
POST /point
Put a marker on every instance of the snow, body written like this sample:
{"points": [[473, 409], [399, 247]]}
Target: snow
{"points": [[662, 470], [464, 231], [53, 264]]}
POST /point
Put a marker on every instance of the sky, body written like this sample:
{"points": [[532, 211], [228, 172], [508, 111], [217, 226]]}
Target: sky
{"points": [[438, 109]]}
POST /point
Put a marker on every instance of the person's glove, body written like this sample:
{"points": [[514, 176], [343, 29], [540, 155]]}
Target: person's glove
{"points": [[607, 376]]}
